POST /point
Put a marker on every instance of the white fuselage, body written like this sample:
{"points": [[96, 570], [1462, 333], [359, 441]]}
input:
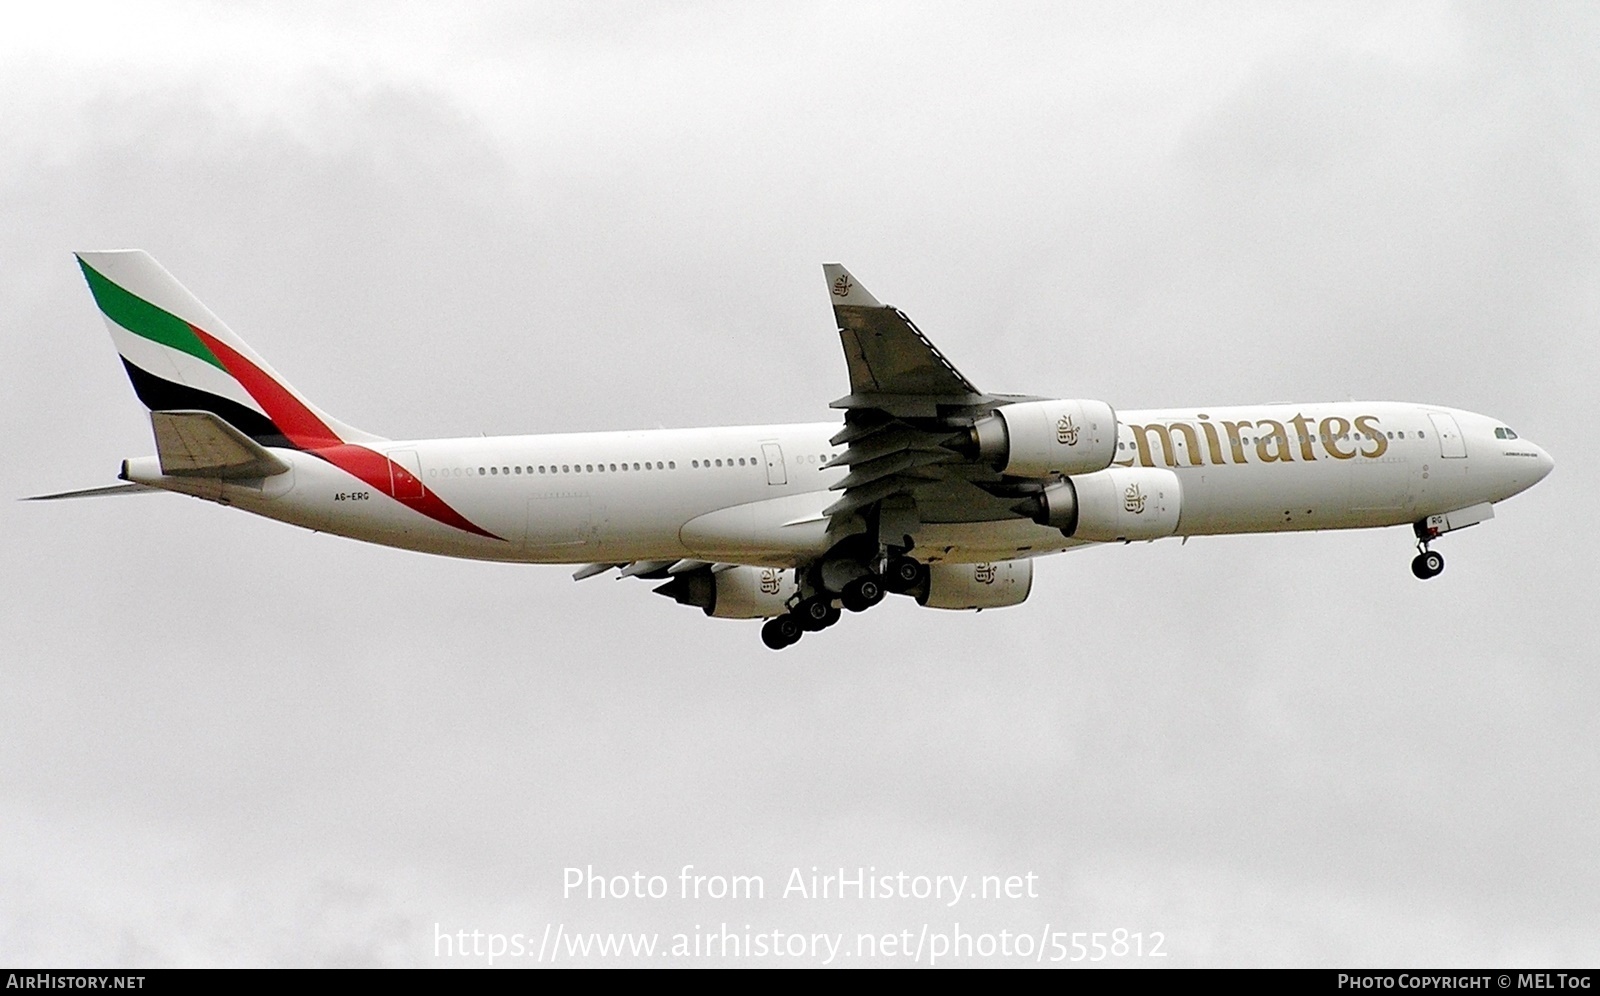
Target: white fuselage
{"points": [[755, 494]]}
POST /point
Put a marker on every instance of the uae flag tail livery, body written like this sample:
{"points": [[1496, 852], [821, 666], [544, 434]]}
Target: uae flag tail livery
{"points": [[216, 407], [181, 357]]}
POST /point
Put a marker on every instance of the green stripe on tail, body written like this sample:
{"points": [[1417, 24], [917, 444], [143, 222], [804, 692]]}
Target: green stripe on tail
{"points": [[145, 319]]}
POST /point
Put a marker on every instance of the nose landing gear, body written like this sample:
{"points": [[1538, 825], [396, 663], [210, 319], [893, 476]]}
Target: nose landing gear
{"points": [[1427, 564]]}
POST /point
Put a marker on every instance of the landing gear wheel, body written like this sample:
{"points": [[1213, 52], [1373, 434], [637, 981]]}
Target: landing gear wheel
{"points": [[1427, 564], [904, 574], [834, 615], [784, 631], [814, 613], [862, 593]]}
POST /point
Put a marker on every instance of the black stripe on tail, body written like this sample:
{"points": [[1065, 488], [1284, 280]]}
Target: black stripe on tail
{"points": [[160, 395]]}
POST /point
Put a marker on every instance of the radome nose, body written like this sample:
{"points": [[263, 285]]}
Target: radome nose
{"points": [[1547, 463]]}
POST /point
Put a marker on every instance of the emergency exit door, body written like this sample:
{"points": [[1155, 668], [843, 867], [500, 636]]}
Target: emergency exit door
{"points": [[774, 457]]}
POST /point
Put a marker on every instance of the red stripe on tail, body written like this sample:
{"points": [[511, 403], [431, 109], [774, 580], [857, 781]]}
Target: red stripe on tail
{"points": [[307, 431]]}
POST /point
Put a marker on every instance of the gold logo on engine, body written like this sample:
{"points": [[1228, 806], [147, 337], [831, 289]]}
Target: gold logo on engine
{"points": [[1133, 500], [769, 582], [985, 573], [1067, 431]]}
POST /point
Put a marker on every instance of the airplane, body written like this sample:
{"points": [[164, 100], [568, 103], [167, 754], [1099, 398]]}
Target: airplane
{"points": [[930, 487]]}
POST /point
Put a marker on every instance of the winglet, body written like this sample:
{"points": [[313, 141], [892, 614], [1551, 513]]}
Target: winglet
{"points": [[846, 289]]}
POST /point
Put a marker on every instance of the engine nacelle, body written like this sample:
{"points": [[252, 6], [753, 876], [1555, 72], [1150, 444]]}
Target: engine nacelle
{"points": [[977, 586], [733, 592], [1121, 503], [1044, 438]]}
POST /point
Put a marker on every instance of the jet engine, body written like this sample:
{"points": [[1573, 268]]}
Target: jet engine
{"points": [[1045, 438], [733, 592], [1120, 503], [977, 586]]}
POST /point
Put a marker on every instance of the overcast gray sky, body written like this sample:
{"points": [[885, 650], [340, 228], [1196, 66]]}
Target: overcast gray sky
{"points": [[227, 741]]}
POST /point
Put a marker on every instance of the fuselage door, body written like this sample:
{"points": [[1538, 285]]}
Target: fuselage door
{"points": [[405, 474], [774, 457], [1450, 442]]}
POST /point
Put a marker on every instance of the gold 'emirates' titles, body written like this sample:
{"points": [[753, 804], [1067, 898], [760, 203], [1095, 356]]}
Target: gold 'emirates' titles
{"points": [[1273, 441]]}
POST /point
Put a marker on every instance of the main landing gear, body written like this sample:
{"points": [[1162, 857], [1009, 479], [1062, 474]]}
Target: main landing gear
{"points": [[811, 615], [781, 632], [902, 575]]}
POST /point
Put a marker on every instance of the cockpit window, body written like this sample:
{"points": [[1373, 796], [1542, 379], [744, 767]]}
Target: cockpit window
{"points": [[1504, 433]]}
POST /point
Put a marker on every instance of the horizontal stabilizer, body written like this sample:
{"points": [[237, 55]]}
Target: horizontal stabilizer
{"points": [[112, 489], [199, 444]]}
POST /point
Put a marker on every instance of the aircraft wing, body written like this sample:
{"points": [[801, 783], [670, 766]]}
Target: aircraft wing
{"points": [[892, 364], [907, 416]]}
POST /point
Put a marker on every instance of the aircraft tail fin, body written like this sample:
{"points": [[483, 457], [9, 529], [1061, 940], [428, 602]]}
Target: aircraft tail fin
{"points": [[181, 357]]}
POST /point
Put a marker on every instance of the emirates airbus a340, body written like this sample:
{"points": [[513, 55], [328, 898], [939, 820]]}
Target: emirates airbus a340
{"points": [[929, 488]]}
